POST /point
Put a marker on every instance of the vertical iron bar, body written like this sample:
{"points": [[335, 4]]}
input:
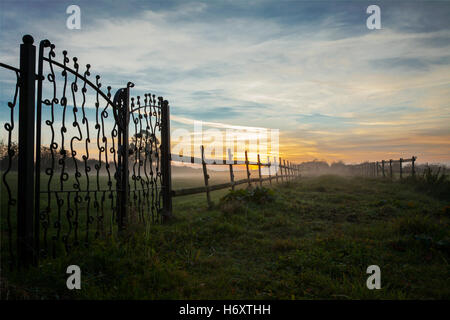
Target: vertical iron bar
{"points": [[25, 192], [123, 147], [40, 78], [125, 166], [166, 161]]}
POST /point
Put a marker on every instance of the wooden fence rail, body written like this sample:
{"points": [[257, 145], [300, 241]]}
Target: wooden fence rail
{"points": [[290, 170]]}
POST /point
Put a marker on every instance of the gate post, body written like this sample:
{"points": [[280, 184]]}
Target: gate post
{"points": [[122, 117], [166, 180], [25, 187]]}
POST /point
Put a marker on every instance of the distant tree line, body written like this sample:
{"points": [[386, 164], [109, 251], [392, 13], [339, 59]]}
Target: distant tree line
{"points": [[143, 140]]}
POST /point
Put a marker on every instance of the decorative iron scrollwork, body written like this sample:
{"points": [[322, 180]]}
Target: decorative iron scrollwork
{"points": [[97, 157]]}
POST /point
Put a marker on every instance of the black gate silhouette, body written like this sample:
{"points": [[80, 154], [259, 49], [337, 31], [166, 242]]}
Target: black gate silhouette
{"points": [[88, 164]]}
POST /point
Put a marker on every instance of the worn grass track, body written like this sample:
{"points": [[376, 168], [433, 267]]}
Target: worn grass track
{"points": [[314, 241]]}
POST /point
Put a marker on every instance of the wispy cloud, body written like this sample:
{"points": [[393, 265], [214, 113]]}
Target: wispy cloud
{"points": [[335, 89]]}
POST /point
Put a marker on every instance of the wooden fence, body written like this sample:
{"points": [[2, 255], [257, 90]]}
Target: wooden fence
{"points": [[385, 168], [287, 170]]}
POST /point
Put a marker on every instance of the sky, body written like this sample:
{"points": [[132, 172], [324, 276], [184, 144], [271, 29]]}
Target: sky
{"points": [[312, 69]]}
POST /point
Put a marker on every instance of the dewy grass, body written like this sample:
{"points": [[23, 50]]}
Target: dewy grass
{"points": [[310, 239]]}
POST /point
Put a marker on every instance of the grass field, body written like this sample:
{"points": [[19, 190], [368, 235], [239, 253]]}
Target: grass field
{"points": [[311, 239]]}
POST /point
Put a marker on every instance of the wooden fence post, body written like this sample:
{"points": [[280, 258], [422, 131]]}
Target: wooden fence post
{"points": [[281, 171], [279, 168], [25, 192], [288, 170], [230, 158], [248, 170], [291, 173], [382, 167], [268, 162], [413, 171], [390, 168], [259, 171], [376, 169], [401, 169], [206, 177]]}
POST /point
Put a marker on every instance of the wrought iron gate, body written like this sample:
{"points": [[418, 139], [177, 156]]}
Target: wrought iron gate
{"points": [[88, 164]]}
